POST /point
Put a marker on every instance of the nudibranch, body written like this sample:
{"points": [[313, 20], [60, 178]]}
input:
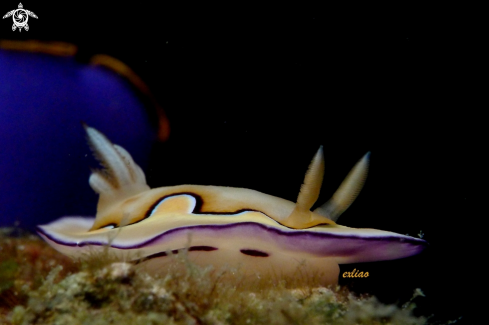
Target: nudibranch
{"points": [[239, 227]]}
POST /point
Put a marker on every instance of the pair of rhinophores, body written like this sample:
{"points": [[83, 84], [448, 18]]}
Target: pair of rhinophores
{"points": [[257, 232]]}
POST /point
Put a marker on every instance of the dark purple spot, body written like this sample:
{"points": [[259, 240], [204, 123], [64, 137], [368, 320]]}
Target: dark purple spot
{"points": [[161, 254], [202, 248], [253, 252], [175, 251]]}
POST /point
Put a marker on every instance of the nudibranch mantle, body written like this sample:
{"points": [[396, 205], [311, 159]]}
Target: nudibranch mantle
{"points": [[239, 227]]}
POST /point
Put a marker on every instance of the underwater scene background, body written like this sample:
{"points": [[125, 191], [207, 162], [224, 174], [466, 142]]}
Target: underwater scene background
{"points": [[250, 94]]}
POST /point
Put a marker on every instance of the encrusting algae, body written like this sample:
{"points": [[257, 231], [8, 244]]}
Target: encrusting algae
{"points": [[40, 286]]}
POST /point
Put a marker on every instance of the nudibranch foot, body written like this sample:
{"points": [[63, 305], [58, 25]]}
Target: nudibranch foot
{"points": [[234, 227], [252, 265]]}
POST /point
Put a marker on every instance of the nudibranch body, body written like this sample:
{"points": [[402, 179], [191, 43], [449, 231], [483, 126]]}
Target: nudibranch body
{"points": [[239, 227]]}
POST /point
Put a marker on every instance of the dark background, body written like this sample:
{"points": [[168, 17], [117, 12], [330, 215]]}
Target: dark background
{"points": [[252, 92]]}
